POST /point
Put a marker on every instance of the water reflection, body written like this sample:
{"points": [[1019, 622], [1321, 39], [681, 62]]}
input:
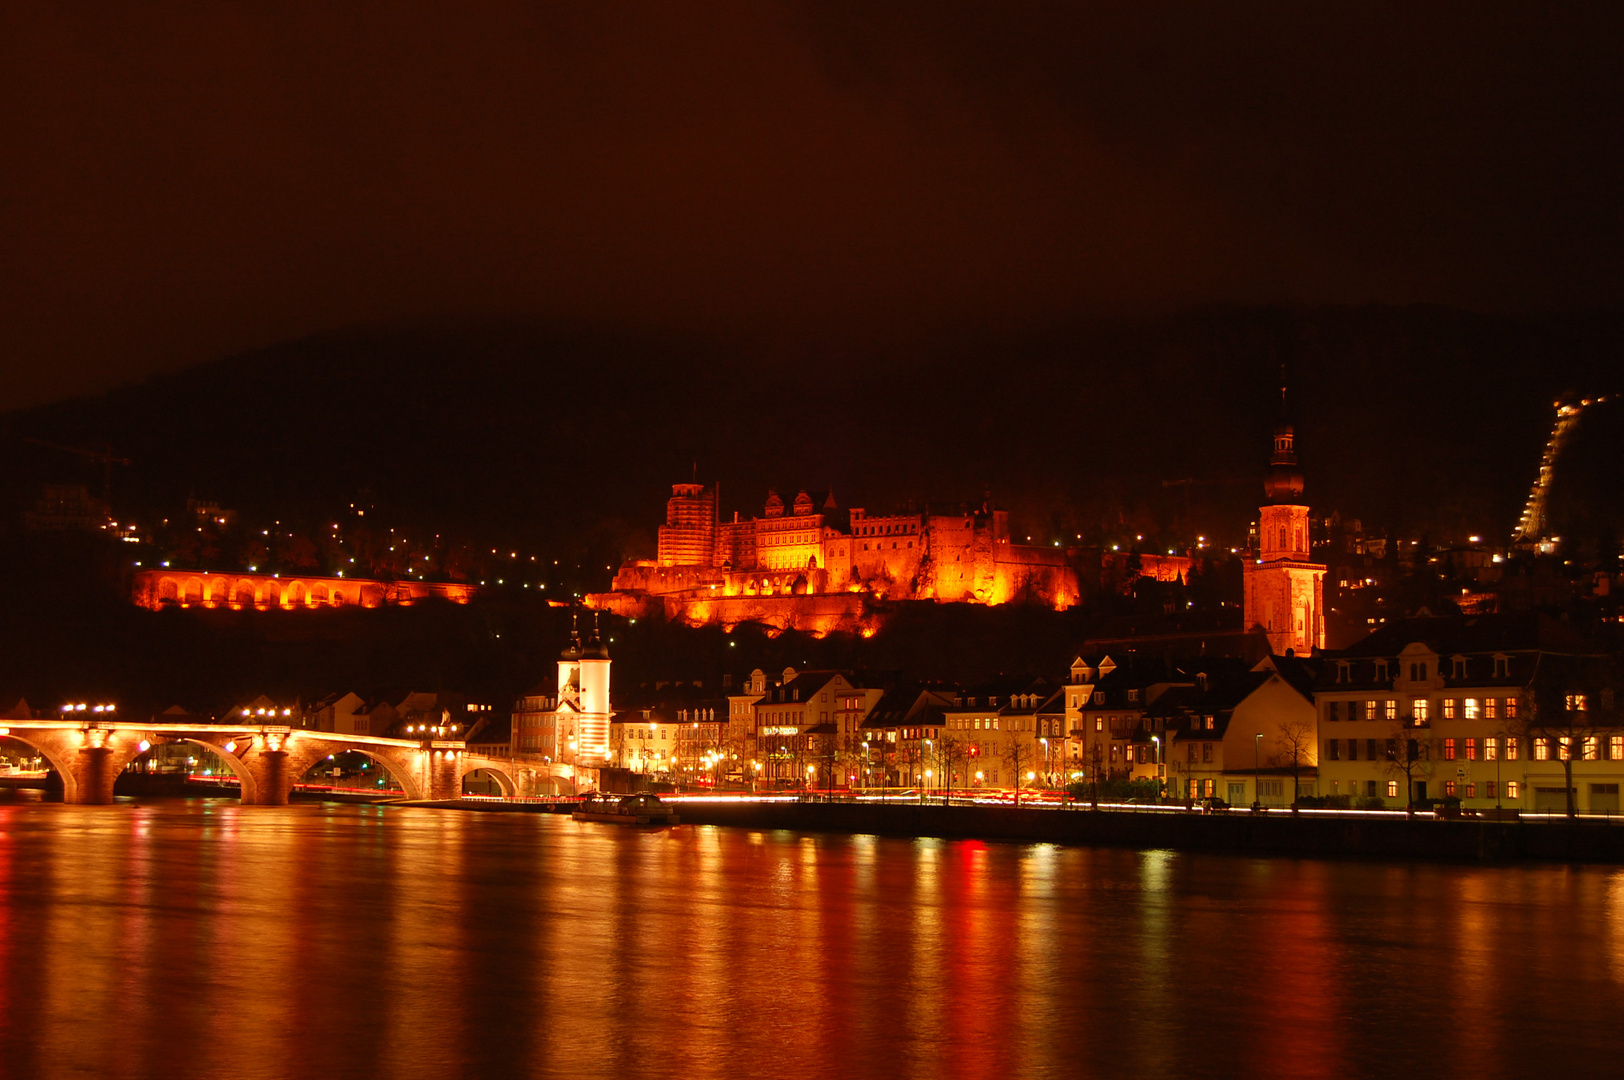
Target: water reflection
{"points": [[204, 939]]}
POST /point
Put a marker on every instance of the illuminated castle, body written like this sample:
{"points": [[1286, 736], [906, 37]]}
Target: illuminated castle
{"points": [[809, 566], [1285, 589]]}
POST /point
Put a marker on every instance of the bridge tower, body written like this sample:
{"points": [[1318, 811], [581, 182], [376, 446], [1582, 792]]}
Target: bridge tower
{"points": [[584, 709]]}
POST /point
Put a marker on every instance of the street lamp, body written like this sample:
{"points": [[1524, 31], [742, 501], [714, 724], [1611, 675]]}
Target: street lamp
{"points": [[1157, 739]]}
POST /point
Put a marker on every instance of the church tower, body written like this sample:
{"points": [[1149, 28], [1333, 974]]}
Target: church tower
{"points": [[1285, 590]]}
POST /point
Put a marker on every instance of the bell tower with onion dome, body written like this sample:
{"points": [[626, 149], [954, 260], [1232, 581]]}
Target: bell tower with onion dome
{"points": [[1285, 588]]}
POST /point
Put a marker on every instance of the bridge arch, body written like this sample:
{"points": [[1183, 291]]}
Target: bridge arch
{"points": [[398, 770], [508, 786], [245, 777], [55, 755]]}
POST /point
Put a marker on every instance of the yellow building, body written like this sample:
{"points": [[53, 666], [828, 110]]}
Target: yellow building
{"points": [[1491, 710]]}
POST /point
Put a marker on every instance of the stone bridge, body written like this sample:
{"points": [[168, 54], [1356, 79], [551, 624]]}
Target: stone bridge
{"points": [[269, 760]]}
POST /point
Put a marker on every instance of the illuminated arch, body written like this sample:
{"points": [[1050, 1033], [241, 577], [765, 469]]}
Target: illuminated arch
{"points": [[318, 595], [296, 595], [168, 590], [243, 595], [409, 784], [245, 778], [509, 786], [270, 594], [192, 593], [218, 589], [70, 784]]}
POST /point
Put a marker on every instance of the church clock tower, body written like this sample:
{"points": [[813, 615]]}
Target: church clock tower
{"points": [[1285, 589]]}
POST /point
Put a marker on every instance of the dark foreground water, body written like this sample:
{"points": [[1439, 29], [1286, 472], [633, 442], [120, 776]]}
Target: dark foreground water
{"points": [[201, 939]]}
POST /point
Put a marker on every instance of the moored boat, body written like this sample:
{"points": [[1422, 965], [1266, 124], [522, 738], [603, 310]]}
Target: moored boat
{"points": [[626, 810]]}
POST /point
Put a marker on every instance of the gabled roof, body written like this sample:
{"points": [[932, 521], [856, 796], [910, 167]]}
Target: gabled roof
{"points": [[909, 705], [1448, 635]]}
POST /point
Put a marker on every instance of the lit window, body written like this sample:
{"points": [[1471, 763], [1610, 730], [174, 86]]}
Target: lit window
{"points": [[1562, 751], [1471, 708], [1512, 790], [1542, 750], [1471, 789], [1449, 752], [1590, 748], [1490, 709], [1449, 708], [1370, 710], [1491, 748], [1392, 709], [1418, 709], [1616, 747], [1449, 789], [1471, 749], [1576, 703], [1511, 708], [1392, 789], [1511, 748]]}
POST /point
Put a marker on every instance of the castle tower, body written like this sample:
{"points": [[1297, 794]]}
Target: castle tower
{"points": [[688, 537], [1285, 590]]}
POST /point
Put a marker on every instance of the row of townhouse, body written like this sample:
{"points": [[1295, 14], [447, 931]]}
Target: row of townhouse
{"points": [[1495, 710], [1215, 728], [1507, 711]]}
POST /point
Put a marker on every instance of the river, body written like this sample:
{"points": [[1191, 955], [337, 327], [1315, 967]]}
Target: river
{"points": [[197, 938]]}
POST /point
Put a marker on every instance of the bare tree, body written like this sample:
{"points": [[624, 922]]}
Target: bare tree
{"points": [[1094, 759], [950, 753], [1018, 752], [1294, 745], [1558, 721], [1409, 754]]}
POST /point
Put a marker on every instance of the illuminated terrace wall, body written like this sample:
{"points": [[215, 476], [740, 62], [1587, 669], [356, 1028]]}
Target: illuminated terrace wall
{"points": [[158, 589]]}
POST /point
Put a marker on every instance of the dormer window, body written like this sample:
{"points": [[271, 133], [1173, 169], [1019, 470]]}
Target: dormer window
{"points": [[1133, 695], [1343, 672], [1458, 669], [1502, 667], [1099, 697]]}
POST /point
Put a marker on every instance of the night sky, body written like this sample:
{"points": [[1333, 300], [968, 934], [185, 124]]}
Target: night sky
{"points": [[182, 181]]}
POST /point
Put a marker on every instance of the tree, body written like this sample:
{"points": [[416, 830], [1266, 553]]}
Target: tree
{"points": [[950, 753], [1094, 761], [1409, 754], [1564, 709], [910, 755], [1294, 745], [1018, 752]]}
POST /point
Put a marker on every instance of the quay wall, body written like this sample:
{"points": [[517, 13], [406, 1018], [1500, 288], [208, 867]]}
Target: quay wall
{"points": [[1275, 833]]}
